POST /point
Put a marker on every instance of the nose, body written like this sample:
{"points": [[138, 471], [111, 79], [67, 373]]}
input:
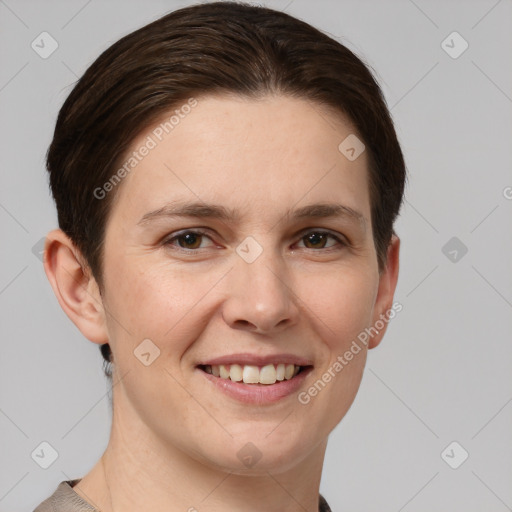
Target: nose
{"points": [[261, 298]]}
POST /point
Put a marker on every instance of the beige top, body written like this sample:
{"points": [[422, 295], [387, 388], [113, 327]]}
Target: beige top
{"points": [[65, 499]]}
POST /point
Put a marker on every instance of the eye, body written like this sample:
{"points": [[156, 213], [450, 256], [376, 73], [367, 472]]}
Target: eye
{"points": [[318, 238], [187, 240], [190, 240]]}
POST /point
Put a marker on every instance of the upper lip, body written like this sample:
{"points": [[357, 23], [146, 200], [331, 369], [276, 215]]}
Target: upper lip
{"points": [[257, 360]]}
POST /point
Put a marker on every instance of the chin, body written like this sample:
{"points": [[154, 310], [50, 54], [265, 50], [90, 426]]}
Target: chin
{"points": [[254, 454]]}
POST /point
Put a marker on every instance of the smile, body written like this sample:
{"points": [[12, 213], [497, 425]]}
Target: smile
{"points": [[251, 374], [256, 385]]}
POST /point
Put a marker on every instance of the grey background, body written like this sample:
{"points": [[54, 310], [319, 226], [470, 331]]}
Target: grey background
{"points": [[441, 374]]}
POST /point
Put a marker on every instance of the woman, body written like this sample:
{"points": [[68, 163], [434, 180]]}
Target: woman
{"points": [[226, 179]]}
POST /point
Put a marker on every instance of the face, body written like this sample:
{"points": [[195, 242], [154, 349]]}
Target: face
{"points": [[259, 286]]}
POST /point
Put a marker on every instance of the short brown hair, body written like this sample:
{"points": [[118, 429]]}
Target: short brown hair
{"points": [[217, 47]]}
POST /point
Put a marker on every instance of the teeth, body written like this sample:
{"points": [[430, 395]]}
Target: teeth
{"points": [[235, 372], [268, 374], [224, 372], [250, 374], [280, 371], [288, 371]]}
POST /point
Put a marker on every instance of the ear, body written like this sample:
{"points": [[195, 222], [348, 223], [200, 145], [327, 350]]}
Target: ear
{"points": [[386, 291], [74, 286]]}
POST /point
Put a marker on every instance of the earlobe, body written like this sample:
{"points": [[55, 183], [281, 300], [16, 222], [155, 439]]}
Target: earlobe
{"points": [[74, 286], [386, 291]]}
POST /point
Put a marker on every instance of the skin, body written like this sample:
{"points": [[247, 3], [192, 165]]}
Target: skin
{"points": [[174, 438]]}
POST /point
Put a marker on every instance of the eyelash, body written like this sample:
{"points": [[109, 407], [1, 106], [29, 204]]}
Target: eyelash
{"points": [[168, 241]]}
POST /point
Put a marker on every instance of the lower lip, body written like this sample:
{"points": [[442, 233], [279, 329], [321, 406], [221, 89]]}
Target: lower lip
{"points": [[258, 393]]}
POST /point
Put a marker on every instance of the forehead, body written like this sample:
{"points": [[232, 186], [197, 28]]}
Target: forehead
{"points": [[248, 154]]}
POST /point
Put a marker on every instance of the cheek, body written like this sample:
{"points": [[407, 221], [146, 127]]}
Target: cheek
{"points": [[340, 303], [342, 307], [156, 301]]}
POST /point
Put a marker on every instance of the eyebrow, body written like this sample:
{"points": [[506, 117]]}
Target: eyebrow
{"points": [[214, 211]]}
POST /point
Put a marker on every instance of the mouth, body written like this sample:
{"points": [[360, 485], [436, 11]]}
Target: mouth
{"points": [[261, 383], [266, 375]]}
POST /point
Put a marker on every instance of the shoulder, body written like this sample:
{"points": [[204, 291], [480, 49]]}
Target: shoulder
{"points": [[65, 499]]}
